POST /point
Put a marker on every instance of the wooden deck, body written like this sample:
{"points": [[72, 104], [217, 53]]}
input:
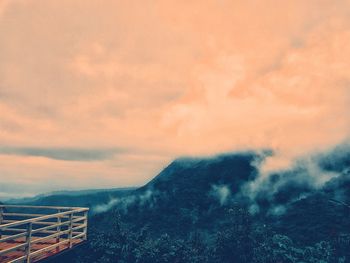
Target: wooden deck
{"points": [[33, 233], [36, 247]]}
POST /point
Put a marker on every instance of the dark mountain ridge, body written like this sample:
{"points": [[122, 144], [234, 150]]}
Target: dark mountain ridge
{"points": [[79, 198], [303, 205], [193, 193]]}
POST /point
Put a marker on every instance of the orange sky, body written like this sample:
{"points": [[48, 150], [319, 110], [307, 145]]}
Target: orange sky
{"points": [[105, 93]]}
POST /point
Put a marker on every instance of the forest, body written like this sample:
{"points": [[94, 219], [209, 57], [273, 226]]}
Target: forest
{"points": [[200, 210]]}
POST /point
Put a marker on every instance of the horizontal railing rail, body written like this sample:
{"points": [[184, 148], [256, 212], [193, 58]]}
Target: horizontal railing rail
{"points": [[24, 230]]}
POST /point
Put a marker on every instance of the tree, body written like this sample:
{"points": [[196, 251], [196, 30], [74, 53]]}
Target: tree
{"points": [[235, 243]]}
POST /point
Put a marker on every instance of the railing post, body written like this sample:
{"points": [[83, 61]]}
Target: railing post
{"points": [[28, 242], [1, 214], [70, 233], [58, 229], [85, 223], [1, 217]]}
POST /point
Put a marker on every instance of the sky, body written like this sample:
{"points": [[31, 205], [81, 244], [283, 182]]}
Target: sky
{"points": [[101, 94]]}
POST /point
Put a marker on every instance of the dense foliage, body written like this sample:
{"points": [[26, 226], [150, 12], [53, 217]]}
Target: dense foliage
{"points": [[221, 209], [240, 240]]}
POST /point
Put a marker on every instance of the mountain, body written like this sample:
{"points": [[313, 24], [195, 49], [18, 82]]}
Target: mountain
{"points": [[187, 193], [298, 214], [193, 193], [80, 198]]}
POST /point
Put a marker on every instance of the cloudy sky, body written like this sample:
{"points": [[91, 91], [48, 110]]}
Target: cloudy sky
{"points": [[98, 94]]}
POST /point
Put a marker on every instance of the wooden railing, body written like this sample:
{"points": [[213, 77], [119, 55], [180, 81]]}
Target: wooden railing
{"points": [[25, 227]]}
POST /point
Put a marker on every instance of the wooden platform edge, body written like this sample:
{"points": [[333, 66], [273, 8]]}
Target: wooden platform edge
{"points": [[64, 251]]}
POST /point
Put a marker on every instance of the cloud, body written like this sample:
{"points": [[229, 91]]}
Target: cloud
{"points": [[278, 186], [66, 154], [4, 5], [105, 207], [221, 192], [123, 203], [166, 79]]}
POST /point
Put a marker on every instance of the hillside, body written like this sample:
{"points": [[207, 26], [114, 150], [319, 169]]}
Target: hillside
{"points": [[224, 198], [80, 198], [193, 194]]}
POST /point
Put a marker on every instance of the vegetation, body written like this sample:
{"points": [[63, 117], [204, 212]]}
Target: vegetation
{"points": [[206, 210], [240, 241]]}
